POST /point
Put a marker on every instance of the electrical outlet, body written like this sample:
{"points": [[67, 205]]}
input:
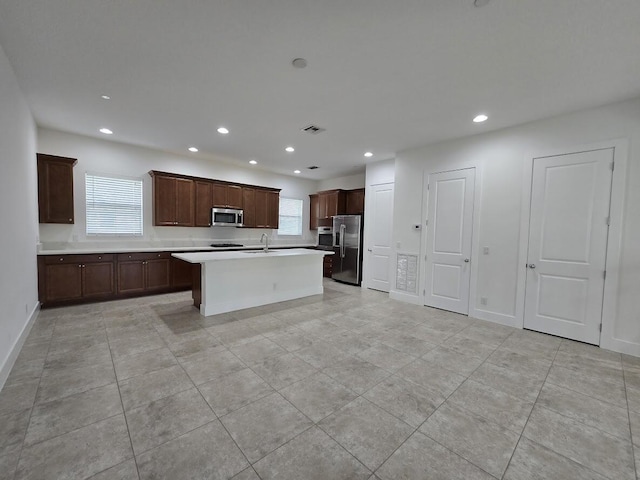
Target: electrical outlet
{"points": [[483, 300], [485, 250]]}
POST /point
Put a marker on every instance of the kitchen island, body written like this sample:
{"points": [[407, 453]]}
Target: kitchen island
{"points": [[229, 281]]}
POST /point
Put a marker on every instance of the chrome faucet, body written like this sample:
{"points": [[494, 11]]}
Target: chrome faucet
{"points": [[265, 237]]}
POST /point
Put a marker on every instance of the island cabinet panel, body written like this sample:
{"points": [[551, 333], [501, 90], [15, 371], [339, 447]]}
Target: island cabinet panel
{"points": [[204, 202], [249, 207], [313, 212], [55, 189], [181, 273], [227, 195], [173, 201], [355, 202]]}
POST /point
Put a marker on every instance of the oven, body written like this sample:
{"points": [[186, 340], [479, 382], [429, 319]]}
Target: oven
{"points": [[325, 238]]}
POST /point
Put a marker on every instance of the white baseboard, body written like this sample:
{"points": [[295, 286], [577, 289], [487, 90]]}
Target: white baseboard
{"points": [[620, 346], [17, 346], [501, 318], [406, 297]]}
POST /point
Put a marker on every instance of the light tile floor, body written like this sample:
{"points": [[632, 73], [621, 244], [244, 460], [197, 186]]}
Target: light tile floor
{"points": [[348, 385]]}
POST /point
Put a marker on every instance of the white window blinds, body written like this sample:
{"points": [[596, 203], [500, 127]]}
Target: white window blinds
{"points": [[290, 221], [114, 205]]}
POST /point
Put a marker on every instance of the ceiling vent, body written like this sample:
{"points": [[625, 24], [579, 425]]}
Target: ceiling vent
{"points": [[313, 129], [313, 167]]}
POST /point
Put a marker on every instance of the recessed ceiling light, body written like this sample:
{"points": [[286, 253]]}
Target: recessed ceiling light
{"points": [[290, 149], [480, 118], [193, 149], [368, 154], [106, 131], [223, 130], [105, 97], [299, 62], [253, 162], [296, 171]]}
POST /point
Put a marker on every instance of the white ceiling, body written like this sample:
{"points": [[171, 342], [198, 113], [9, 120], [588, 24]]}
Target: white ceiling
{"points": [[382, 75]]}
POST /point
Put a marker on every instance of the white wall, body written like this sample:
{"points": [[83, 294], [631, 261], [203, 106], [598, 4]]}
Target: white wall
{"points": [[349, 182], [19, 215], [500, 158], [107, 157]]}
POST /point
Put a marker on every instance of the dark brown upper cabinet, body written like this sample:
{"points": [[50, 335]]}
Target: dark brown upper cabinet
{"points": [[313, 211], [55, 189], [331, 203], [267, 208], [204, 202], [226, 195], [182, 200], [249, 207], [355, 202], [173, 201]]}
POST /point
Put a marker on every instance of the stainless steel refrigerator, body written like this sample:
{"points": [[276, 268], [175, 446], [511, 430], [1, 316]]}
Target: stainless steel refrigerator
{"points": [[347, 247]]}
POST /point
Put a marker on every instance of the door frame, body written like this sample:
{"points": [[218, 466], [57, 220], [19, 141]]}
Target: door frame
{"points": [[475, 235], [614, 240]]}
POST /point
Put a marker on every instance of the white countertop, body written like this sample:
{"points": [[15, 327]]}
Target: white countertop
{"points": [[94, 250], [203, 257]]}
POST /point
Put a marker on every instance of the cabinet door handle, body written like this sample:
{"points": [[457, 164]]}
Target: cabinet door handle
{"points": [[71, 220]]}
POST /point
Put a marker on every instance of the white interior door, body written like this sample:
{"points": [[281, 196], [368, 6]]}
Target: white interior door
{"points": [[568, 232], [449, 230], [380, 227]]}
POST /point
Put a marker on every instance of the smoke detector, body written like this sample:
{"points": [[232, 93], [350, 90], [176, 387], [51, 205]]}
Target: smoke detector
{"points": [[313, 129]]}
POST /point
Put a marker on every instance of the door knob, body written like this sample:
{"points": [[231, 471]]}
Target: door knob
{"points": [[368, 249], [532, 265], [466, 260]]}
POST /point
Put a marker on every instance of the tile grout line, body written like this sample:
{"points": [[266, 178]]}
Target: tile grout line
{"points": [[217, 418], [529, 416], [124, 414], [445, 400], [15, 471], [626, 397]]}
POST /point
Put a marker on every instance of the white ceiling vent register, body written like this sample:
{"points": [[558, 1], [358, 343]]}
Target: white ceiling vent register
{"points": [[407, 272], [313, 129]]}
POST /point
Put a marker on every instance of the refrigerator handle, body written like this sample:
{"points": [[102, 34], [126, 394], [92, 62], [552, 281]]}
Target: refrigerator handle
{"points": [[343, 228]]}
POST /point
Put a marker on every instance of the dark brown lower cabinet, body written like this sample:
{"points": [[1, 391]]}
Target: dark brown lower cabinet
{"points": [[327, 266], [64, 282], [98, 279], [75, 277], [143, 272], [181, 273], [68, 279]]}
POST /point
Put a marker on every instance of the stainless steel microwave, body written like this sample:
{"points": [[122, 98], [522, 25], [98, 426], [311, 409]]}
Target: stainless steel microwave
{"points": [[226, 217]]}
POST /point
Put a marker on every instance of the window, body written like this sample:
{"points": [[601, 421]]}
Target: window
{"points": [[114, 205], [290, 216]]}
